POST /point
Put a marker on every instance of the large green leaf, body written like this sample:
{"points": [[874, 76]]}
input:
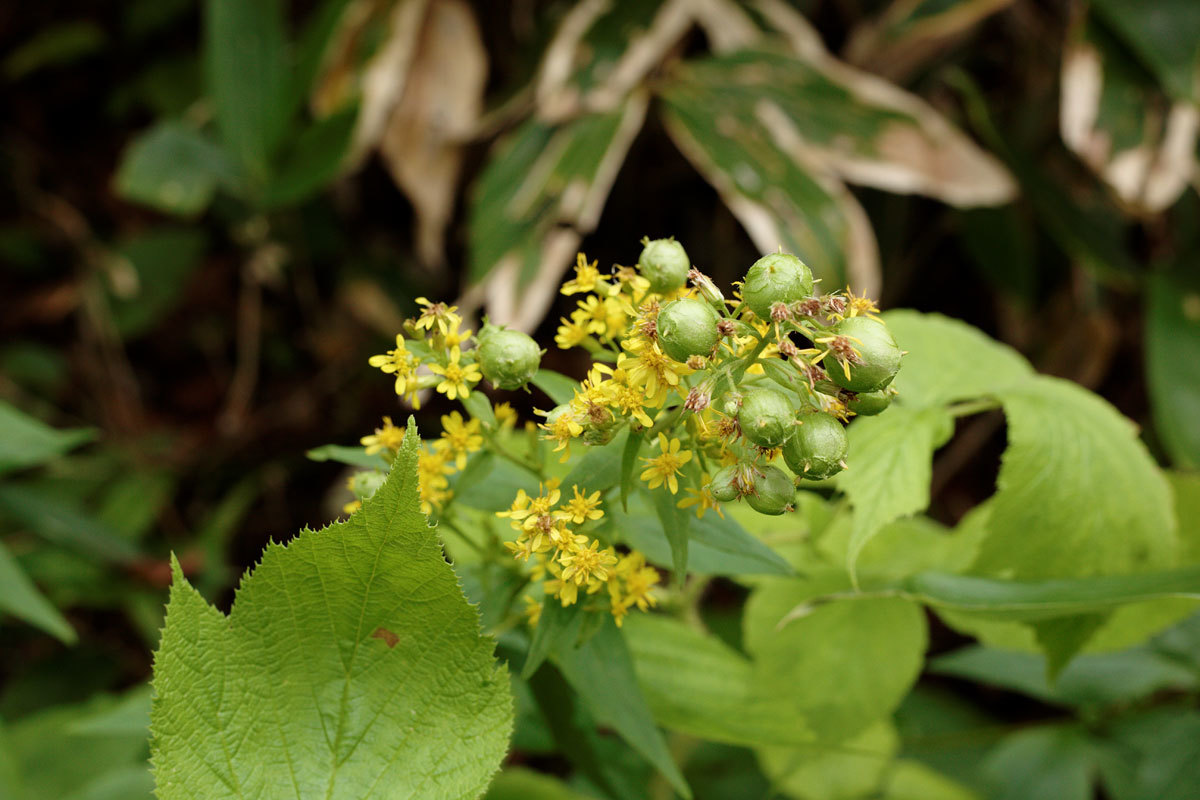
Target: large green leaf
{"points": [[1153, 755], [888, 468], [19, 597], [854, 769], [350, 662], [27, 442], [247, 67], [1077, 494], [698, 685], [1047, 763], [175, 168], [842, 665], [947, 360], [1173, 361], [601, 672]]}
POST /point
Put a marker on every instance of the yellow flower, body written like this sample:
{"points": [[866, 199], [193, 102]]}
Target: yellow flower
{"points": [[459, 438], [562, 430], [571, 333], [506, 415], [664, 467], [438, 314], [581, 508], [585, 563], [351, 507], [586, 276], [404, 365], [457, 378], [533, 610], [860, 305], [632, 585], [389, 437], [652, 371], [453, 337], [432, 469], [701, 498]]}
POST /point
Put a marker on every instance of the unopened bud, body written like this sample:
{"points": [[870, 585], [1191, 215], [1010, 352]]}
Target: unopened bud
{"points": [[708, 290]]}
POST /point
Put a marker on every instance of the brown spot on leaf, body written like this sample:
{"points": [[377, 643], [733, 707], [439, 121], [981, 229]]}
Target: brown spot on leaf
{"points": [[387, 636]]}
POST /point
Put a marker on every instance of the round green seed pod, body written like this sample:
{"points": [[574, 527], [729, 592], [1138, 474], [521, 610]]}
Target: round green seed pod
{"points": [[766, 417], [687, 327], [724, 486], [509, 359], [878, 350], [665, 264], [775, 278], [817, 448], [868, 404], [773, 492], [365, 484]]}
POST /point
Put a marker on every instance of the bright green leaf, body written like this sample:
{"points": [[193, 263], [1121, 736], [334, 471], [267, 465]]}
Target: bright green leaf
{"points": [[350, 661], [853, 769], [344, 454], [912, 780], [558, 387]]}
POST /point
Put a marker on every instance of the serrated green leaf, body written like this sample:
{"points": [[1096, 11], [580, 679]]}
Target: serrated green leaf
{"points": [[350, 662], [697, 685], [870, 653], [601, 671], [27, 442], [1075, 474], [1173, 362], [948, 360], [176, 169], [246, 64], [889, 464], [19, 597]]}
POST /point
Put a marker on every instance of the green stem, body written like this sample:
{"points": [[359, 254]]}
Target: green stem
{"points": [[740, 370], [505, 453]]}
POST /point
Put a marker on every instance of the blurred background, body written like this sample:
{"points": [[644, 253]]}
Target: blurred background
{"points": [[211, 214]]}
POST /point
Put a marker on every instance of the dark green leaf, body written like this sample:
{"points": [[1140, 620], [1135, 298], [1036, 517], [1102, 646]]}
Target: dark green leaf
{"points": [[163, 260], [175, 168], [1173, 361], [600, 467], [1048, 763], [62, 524], [1166, 36], [628, 461], [19, 597], [675, 522], [558, 627], [314, 159], [601, 672], [28, 442]]}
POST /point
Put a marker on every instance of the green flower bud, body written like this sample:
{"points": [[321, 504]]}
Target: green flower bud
{"points": [[868, 404], [877, 351], [817, 448], [725, 486], [665, 264], [595, 434], [775, 278], [687, 327], [773, 491], [509, 359], [365, 484], [766, 417]]}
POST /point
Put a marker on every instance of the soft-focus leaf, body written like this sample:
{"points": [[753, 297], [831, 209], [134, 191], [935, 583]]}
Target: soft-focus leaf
{"points": [[853, 769], [948, 360], [1047, 763], [61, 522], [174, 168], [1090, 680], [247, 68], [161, 261], [19, 597], [1116, 119], [599, 469], [866, 130], [350, 660], [782, 198], [601, 671], [1075, 473], [518, 783], [558, 627], [441, 103], [675, 522], [314, 159], [1173, 361], [544, 186], [129, 716], [54, 46], [909, 33], [1026, 600], [28, 442], [558, 387], [869, 656], [912, 780], [1153, 755], [697, 685], [1165, 34], [888, 468]]}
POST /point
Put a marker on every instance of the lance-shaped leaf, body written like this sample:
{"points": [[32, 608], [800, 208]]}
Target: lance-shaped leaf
{"points": [[350, 666], [781, 198], [545, 186], [909, 33], [1118, 120]]}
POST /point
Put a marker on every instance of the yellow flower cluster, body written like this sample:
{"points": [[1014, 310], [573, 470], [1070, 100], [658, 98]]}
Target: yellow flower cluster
{"points": [[567, 561], [437, 460], [435, 331]]}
